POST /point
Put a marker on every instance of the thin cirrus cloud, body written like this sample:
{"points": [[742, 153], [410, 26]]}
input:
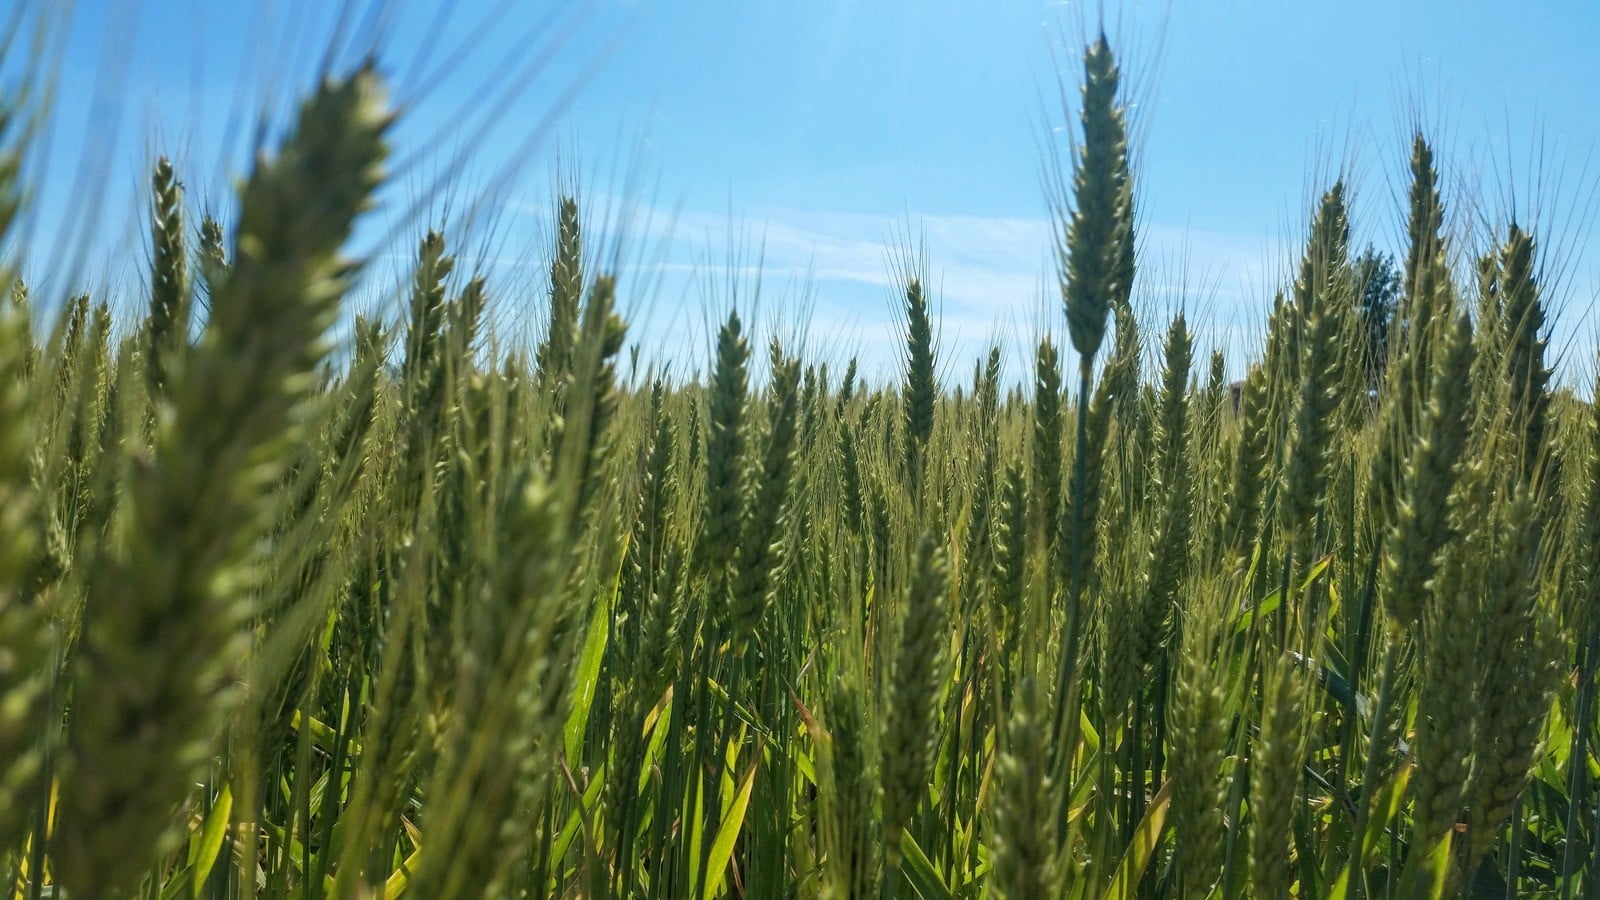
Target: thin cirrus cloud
{"points": [[832, 280]]}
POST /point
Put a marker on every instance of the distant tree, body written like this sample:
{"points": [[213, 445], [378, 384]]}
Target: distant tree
{"points": [[1377, 285]]}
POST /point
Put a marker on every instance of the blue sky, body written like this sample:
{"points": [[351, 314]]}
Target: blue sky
{"points": [[823, 139]]}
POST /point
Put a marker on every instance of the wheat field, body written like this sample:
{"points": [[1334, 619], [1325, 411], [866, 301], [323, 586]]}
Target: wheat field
{"points": [[425, 613]]}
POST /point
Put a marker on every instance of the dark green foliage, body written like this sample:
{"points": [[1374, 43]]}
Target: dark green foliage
{"points": [[1377, 291]]}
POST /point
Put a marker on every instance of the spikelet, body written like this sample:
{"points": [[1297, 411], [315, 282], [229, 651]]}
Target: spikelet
{"points": [[1276, 774], [1114, 395], [348, 421], [213, 261], [1249, 463], [1447, 688], [1518, 663], [1146, 623], [1118, 388], [169, 276], [1121, 631], [921, 669], [811, 405], [1527, 378], [986, 387], [921, 389], [1425, 283], [494, 762], [21, 306], [1585, 616], [1486, 374], [1094, 243], [1209, 426], [1169, 564], [1045, 492], [724, 482], [1281, 363], [1199, 747], [386, 595], [1021, 844], [879, 528], [66, 346], [1008, 573], [847, 388], [851, 496], [296, 594], [1321, 276], [464, 319], [424, 368], [26, 651], [554, 358], [984, 464], [849, 829], [761, 550], [1422, 526], [79, 429], [162, 634], [1426, 305], [591, 406], [655, 559], [647, 539]]}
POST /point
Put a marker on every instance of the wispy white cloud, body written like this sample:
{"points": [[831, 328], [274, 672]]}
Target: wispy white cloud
{"points": [[991, 278]]}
